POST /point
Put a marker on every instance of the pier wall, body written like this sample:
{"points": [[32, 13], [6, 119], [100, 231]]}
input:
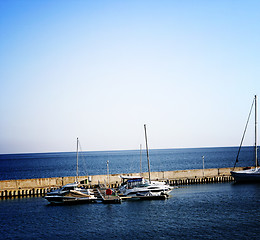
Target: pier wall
{"points": [[40, 186]]}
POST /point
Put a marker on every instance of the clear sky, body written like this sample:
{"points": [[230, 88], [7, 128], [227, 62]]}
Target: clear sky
{"points": [[99, 70]]}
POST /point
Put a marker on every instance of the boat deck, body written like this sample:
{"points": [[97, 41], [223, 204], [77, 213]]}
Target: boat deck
{"points": [[108, 198]]}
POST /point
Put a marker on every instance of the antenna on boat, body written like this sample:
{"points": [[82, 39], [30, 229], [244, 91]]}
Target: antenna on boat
{"points": [[77, 174], [147, 153]]}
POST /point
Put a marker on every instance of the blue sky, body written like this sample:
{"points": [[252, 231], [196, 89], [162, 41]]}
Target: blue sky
{"points": [[99, 70]]}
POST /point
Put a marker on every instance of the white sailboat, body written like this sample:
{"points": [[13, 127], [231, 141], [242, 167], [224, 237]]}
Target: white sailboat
{"points": [[249, 175], [71, 193], [138, 186]]}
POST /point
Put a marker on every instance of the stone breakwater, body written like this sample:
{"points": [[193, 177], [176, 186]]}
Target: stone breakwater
{"points": [[40, 186]]}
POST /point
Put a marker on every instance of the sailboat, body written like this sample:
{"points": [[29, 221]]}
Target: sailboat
{"points": [[249, 175], [138, 186], [72, 192]]}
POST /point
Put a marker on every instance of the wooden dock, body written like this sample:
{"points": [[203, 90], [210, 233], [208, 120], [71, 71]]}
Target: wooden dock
{"points": [[113, 198]]}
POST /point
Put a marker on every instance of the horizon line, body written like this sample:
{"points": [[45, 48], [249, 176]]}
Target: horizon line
{"points": [[115, 150]]}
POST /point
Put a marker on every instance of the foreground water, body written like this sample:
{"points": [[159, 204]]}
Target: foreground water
{"points": [[206, 211], [42, 165]]}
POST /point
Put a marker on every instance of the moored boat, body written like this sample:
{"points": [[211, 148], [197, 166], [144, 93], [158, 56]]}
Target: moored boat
{"points": [[137, 186], [248, 175], [72, 192]]}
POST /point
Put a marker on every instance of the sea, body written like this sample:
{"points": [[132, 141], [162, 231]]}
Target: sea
{"points": [[202, 211]]}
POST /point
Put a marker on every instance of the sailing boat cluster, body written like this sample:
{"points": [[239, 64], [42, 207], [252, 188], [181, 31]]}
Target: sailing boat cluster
{"points": [[134, 187], [248, 175], [137, 187]]}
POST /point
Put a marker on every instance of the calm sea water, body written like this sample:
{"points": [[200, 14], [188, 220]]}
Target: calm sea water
{"points": [[206, 211], [41, 165]]}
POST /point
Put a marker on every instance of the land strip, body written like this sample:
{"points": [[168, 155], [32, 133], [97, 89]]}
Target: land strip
{"points": [[40, 186]]}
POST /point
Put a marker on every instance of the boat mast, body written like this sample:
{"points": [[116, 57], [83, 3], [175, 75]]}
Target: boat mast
{"points": [[256, 131], [140, 159], [107, 173], [147, 153], [254, 101], [77, 173]]}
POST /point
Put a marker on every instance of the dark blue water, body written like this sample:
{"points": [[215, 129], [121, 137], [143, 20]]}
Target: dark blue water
{"points": [[206, 211], [41, 165]]}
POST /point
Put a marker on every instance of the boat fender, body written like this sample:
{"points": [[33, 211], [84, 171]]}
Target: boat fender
{"points": [[109, 191]]}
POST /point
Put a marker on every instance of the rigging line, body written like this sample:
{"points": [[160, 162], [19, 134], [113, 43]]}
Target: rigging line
{"points": [[244, 134], [84, 159]]}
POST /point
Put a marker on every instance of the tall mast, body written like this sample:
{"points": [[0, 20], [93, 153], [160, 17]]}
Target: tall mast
{"points": [[254, 102], [147, 153], [140, 159], [107, 173], [256, 131], [77, 174]]}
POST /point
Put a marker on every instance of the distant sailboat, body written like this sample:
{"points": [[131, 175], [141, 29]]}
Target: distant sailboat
{"points": [[249, 175], [72, 192], [138, 186]]}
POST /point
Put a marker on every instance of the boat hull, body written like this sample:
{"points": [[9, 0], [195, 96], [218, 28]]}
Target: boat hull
{"points": [[252, 176], [69, 200], [155, 197]]}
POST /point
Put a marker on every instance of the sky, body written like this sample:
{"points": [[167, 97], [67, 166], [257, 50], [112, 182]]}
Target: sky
{"points": [[100, 70]]}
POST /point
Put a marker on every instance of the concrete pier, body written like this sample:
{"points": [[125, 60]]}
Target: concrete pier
{"points": [[40, 186]]}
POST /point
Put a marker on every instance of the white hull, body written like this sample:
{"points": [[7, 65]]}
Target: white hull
{"points": [[137, 191], [56, 199], [70, 193], [134, 186]]}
